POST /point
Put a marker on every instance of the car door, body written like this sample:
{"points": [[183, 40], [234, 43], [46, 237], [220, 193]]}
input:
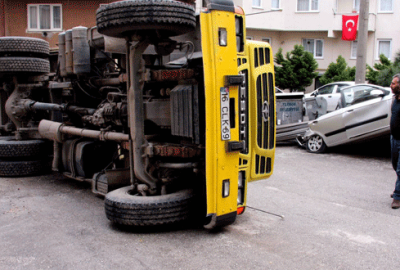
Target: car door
{"points": [[337, 95], [327, 93], [369, 112], [331, 127]]}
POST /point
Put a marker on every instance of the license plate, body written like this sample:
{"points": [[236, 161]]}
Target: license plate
{"points": [[225, 124]]}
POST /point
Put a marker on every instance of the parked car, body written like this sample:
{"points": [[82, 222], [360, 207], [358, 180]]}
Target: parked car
{"points": [[364, 113], [331, 93]]}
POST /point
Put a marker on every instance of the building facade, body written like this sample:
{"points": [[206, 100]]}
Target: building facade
{"points": [[317, 25], [45, 19]]}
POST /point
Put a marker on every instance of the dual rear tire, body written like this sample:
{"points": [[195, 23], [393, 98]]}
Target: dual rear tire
{"points": [[21, 158], [24, 55]]}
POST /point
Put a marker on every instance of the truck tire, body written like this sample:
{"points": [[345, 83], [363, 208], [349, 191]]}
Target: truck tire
{"points": [[140, 17], [126, 209], [24, 64], [24, 46], [6, 138], [20, 168], [9, 148]]}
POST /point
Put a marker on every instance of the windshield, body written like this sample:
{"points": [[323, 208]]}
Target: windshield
{"points": [[357, 94]]}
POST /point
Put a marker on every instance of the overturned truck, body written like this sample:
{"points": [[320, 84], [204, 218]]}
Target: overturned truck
{"points": [[169, 114]]}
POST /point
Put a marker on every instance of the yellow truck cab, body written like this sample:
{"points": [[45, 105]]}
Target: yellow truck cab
{"points": [[240, 110], [168, 114]]}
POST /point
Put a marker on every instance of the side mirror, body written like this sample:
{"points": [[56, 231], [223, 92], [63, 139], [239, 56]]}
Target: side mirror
{"points": [[378, 93]]}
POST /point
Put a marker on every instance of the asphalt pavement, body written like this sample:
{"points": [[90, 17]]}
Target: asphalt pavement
{"points": [[336, 210]]}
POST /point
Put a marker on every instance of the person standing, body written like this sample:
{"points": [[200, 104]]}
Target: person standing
{"points": [[395, 137]]}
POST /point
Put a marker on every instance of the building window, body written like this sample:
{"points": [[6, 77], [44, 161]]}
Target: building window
{"points": [[314, 46], [249, 38], [385, 5], [385, 48], [275, 4], [257, 3], [45, 17], [267, 40], [353, 50], [356, 5], [307, 5]]}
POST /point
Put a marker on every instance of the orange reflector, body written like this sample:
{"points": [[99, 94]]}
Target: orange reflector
{"points": [[240, 210], [239, 10]]}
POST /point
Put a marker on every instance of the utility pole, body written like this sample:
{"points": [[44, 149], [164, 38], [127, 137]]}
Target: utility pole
{"points": [[362, 42]]}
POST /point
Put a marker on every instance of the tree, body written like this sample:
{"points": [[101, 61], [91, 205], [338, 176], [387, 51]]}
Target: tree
{"points": [[383, 72], [338, 71], [297, 71], [373, 73], [385, 76]]}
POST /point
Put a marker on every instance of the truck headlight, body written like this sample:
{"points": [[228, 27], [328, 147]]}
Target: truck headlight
{"points": [[223, 37], [241, 180], [225, 188]]}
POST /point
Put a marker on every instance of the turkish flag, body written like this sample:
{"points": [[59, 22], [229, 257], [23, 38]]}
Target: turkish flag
{"points": [[349, 27]]}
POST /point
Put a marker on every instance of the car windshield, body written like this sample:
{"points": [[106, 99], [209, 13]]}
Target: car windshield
{"points": [[326, 90], [361, 93], [340, 87]]}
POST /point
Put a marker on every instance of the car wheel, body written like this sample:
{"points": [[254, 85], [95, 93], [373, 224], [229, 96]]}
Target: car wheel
{"points": [[24, 65], [145, 18], [24, 46], [125, 207], [315, 144]]}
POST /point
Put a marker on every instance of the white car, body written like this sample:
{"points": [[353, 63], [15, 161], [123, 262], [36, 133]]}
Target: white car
{"points": [[365, 113], [331, 93]]}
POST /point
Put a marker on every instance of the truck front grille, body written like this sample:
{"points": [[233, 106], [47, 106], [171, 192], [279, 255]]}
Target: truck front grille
{"points": [[265, 101]]}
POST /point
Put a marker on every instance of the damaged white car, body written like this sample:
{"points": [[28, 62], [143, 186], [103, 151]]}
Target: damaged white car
{"points": [[364, 113]]}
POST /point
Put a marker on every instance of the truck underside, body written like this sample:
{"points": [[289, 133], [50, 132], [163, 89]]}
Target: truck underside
{"points": [[126, 108]]}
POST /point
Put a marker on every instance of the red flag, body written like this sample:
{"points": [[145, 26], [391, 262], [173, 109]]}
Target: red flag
{"points": [[349, 27]]}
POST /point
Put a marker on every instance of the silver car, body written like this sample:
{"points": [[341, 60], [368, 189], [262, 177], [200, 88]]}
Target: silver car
{"points": [[364, 112], [330, 92]]}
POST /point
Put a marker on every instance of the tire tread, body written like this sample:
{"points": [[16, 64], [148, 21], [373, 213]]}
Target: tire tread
{"points": [[24, 45], [17, 149], [24, 64], [21, 168], [125, 209], [172, 17]]}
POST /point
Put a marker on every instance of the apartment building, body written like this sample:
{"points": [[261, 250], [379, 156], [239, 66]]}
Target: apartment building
{"points": [[317, 25]]}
